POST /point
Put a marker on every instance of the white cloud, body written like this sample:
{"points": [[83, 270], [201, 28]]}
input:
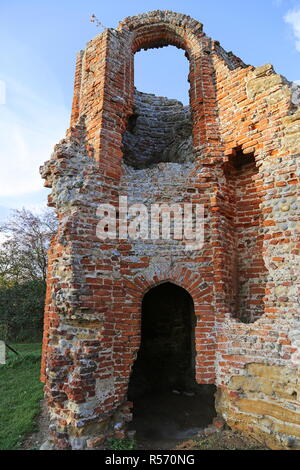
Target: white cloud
{"points": [[293, 18], [30, 126], [2, 92]]}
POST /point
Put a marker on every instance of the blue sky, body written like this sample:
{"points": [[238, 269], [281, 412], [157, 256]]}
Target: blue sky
{"points": [[39, 41]]}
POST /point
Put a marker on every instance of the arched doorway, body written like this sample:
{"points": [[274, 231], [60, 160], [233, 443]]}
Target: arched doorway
{"points": [[168, 404]]}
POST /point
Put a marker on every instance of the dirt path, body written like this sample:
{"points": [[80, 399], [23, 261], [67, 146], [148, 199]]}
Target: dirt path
{"points": [[173, 424], [35, 440], [164, 420]]}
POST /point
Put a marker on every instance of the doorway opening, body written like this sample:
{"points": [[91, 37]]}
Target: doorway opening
{"points": [[168, 404]]}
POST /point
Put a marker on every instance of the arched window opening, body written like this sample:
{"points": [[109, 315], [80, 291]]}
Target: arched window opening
{"points": [[163, 72], [160, 128]]}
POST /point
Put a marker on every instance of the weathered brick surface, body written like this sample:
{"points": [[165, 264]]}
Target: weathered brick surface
{"points": [[160, 130], [244, 281]]}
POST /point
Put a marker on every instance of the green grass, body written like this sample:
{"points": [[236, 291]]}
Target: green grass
{"points": [[120, 444], [20, 395]]}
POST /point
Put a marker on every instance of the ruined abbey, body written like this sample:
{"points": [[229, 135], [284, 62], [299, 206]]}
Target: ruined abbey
{"points": [[125, 316]]}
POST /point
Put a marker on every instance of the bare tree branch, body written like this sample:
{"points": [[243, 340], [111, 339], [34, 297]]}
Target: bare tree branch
{"points": [[23, 255]]}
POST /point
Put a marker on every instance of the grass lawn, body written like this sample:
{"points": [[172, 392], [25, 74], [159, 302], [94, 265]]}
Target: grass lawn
{"points": [[20, 394]]}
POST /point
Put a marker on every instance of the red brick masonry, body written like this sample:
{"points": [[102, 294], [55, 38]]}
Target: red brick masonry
{"points": [[244, 281]]}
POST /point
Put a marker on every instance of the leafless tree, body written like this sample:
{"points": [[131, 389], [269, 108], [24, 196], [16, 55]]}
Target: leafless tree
{"points": [[23, 253]]}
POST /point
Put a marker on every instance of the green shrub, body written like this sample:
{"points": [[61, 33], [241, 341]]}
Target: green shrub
{"points": [[120, 444], [21, 311]]}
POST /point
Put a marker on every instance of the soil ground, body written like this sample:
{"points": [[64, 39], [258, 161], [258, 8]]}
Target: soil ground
{"points": [[176, 421], [172, 423], [35, 440], [163, 420]]}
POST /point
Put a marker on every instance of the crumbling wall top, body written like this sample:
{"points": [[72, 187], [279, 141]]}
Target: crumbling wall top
{"points": [[161, 28], [133, 23]]}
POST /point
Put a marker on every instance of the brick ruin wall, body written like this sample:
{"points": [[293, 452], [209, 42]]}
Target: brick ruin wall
{"points": [[160, 130], [235, 150]]}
